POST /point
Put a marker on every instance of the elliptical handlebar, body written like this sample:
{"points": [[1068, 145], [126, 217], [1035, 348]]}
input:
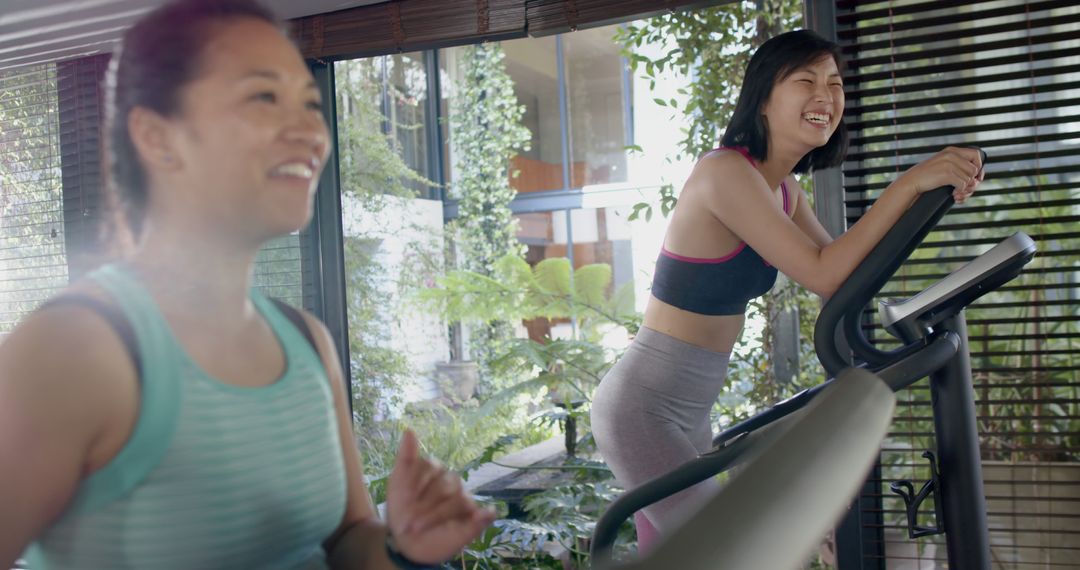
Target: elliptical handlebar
{"points": [[843, 311]]}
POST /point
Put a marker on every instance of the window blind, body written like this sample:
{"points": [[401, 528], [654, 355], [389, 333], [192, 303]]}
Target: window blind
{"points": [[82, 112], [32, 252], [1004, 76], [410, 25], [406, 25]]}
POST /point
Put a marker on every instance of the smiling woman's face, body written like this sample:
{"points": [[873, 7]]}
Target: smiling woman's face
{"points": [[805, 107], [250, 139]]}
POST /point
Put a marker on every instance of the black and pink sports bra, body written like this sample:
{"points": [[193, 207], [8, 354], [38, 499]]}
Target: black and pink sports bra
{"points": [[715, 286]]}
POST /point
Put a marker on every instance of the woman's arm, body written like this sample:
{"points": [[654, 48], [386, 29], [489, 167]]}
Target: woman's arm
{"points": [[64, 375], [431, 516], [737, 196]]}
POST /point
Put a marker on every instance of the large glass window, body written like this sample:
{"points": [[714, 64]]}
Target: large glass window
{"points": [[597, 93], [533, 68], [404, 101], [581, 109], [392, 234], [382, 103]]}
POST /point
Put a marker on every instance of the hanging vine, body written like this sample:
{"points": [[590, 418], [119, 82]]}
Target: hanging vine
{"points": [[486, 132]]}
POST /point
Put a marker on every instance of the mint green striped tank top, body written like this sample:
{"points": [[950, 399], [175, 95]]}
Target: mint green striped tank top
{"points": [[214, 475]]}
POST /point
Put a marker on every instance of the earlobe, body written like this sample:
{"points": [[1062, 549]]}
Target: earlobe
{"points": [[149, 133]]}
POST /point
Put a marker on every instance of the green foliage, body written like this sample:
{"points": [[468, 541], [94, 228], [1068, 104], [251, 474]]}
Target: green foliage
{"points": [[371, 166], [486, 132], [462, 436], [563, 372], [567, 370], [713, 45], [514, 291], [563, 516]]}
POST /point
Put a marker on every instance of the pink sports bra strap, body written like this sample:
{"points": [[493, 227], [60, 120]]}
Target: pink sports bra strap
{"points": [[741, 150]]}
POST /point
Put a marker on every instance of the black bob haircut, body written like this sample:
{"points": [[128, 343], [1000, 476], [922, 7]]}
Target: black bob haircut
{"points": [[775, 60]]}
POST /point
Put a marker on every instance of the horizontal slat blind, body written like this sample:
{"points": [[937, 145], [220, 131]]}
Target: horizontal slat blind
{"points": [[278, 271], [32, 255], [1005, 76], [82, 111], [407, 25]]}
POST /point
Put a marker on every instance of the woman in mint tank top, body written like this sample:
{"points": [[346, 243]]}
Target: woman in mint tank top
{"points": [[160, 413]]}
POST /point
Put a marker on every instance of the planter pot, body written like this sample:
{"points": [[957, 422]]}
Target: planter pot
{"points": [[457, 378]]}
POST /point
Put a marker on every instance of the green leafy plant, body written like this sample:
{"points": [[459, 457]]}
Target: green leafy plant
{"points": [[485, 132]]}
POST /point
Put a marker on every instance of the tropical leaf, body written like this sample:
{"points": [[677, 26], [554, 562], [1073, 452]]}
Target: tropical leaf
{"points": [[591, 282], [552, 276], [622, 302]]}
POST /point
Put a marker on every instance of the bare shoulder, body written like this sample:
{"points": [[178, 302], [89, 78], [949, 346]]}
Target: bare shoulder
{"points": [[723, 161], [721, 174], [65, 359]]}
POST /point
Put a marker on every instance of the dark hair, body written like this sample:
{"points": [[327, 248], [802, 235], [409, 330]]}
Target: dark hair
{"points": [[157, 57], [774, 61]]}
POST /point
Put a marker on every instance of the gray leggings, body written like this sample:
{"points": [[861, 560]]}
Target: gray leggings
{"points": [[650, 414]]}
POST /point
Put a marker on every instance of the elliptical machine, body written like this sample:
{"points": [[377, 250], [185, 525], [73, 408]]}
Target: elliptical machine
{"points": [[932, 327]]}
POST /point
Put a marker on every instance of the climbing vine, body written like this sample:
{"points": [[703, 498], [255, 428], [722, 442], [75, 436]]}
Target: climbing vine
{"points": [[486, 132]]}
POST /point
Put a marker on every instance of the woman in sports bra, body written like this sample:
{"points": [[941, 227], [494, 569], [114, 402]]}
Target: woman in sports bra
{"points": [[162, 414], [741, 218]]}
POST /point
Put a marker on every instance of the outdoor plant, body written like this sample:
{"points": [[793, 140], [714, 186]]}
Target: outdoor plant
{"points": [[566, 370], [485, 132], [569, 369]]}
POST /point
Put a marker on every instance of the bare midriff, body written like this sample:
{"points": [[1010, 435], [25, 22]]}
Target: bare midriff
{"points": [[713, 332]]}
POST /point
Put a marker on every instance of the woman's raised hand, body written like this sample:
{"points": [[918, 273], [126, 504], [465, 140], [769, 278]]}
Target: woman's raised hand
{"points": [[428, 512], [959, 167]]}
